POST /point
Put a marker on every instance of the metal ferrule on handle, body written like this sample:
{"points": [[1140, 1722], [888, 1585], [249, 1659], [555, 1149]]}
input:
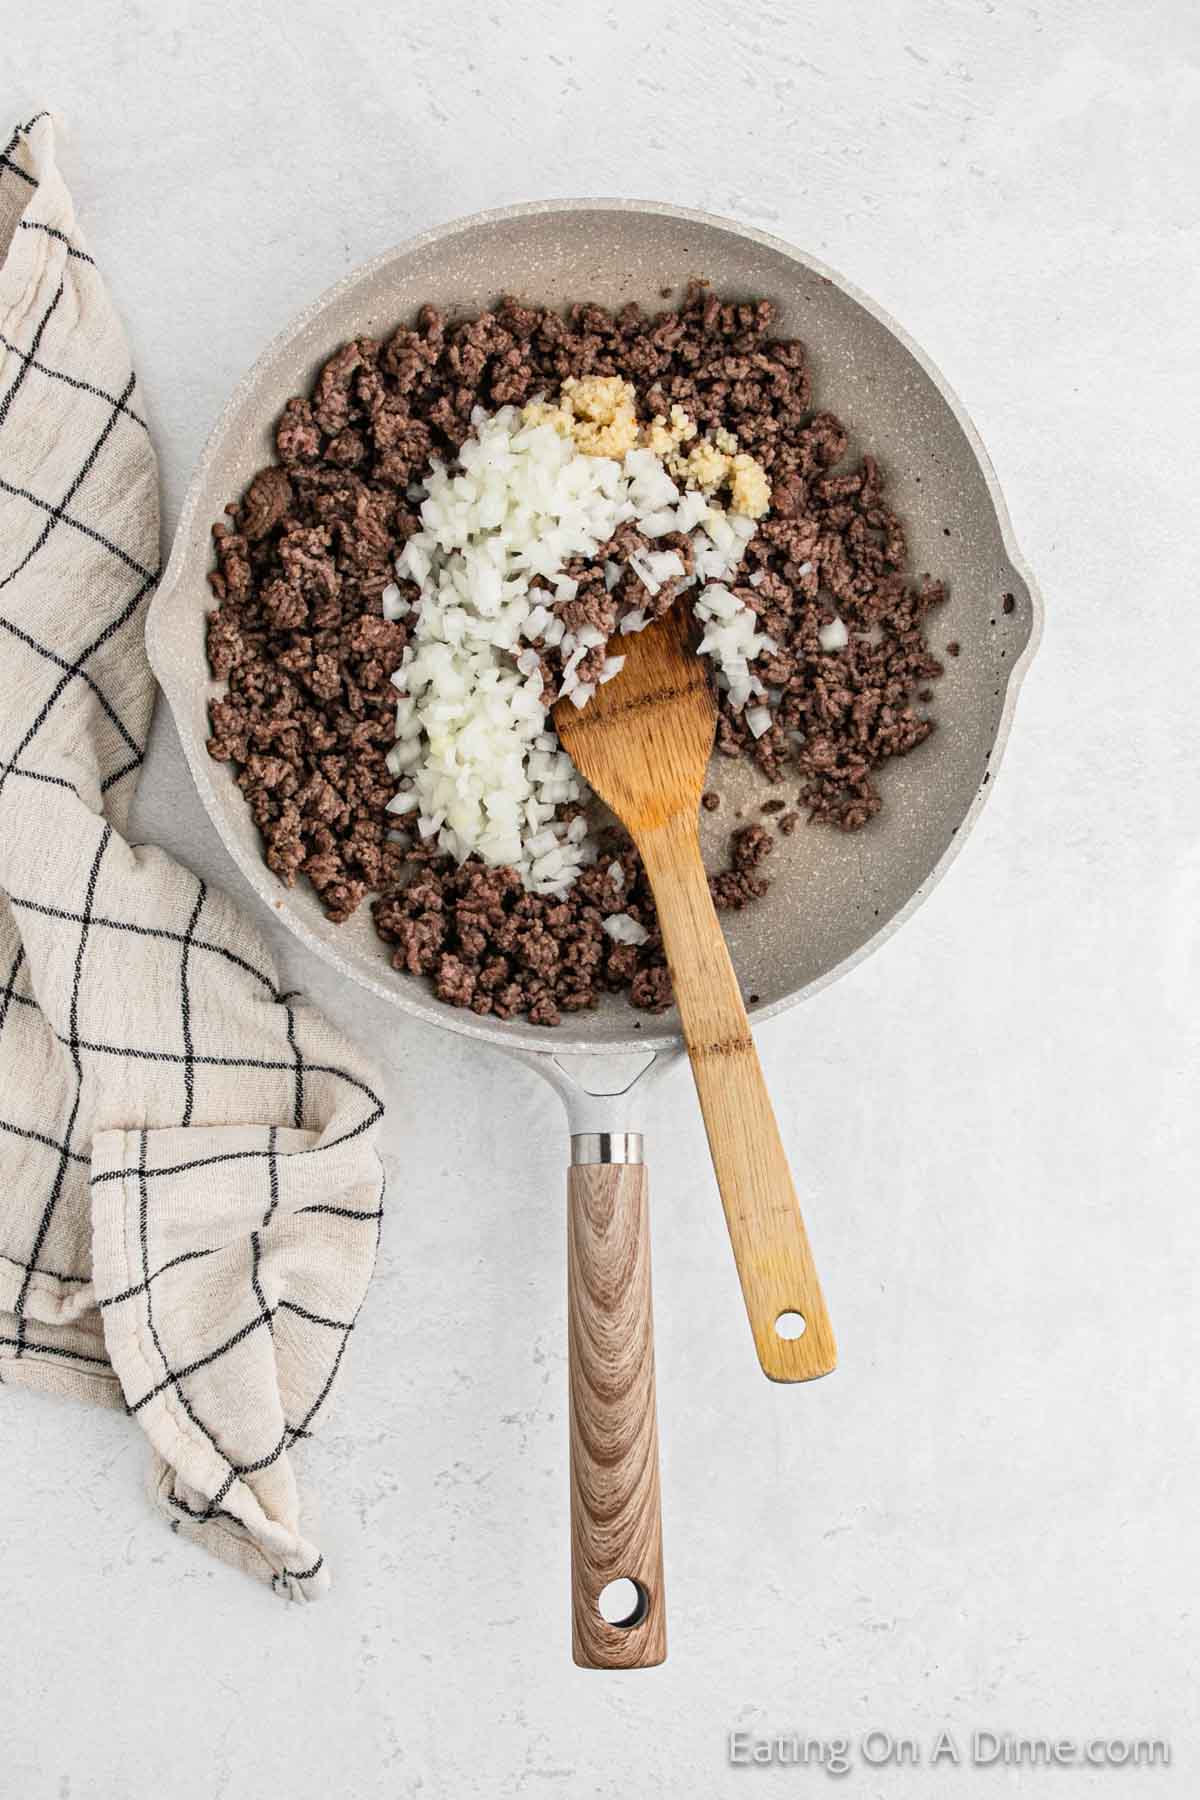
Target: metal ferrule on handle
{"points": [[592, 1147]]}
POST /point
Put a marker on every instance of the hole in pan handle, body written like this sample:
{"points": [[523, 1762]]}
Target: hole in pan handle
{"points": [[624, 1603]]}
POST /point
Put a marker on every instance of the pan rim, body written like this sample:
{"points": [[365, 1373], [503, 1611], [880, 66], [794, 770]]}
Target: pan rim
{"points": [[426, 1007]]}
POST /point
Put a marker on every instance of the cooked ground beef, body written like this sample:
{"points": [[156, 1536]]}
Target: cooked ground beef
{"points": [[299, 637]]}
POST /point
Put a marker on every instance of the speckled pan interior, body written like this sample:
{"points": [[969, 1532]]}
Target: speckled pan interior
{"points": [[833, 897]]}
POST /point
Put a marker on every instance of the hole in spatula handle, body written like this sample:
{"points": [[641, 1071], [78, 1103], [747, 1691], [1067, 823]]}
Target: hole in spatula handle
{"points": [[623, 1603], [790, 1325]]}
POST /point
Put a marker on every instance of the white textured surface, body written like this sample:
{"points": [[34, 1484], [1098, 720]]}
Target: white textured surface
{"points": [[985, 1517]]}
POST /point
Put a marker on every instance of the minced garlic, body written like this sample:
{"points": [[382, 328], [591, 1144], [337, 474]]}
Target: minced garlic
{"points": [[599, 414], [705, 466], [600, 398], [544, 412], [750, 488], [664, 436], [605, 409]]}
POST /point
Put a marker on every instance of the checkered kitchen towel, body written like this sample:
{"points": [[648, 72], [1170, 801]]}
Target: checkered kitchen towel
{"points": [[190, 1196]]}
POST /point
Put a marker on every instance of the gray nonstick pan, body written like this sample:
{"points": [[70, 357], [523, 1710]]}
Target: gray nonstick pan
{"points": [[833, 898]]}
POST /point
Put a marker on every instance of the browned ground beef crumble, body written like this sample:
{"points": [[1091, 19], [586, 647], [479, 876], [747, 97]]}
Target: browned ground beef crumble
{"points": [[300, 639]]}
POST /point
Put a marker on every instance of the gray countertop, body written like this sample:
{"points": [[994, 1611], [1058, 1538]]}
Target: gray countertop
{"points": [[983, 1520]]}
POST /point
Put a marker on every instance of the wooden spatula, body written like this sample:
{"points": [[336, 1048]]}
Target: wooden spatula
{"points": [[643, 742]]}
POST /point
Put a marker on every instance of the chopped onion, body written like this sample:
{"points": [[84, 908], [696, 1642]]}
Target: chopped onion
{"points": [[639, 562], [623, 929], [475, 759], [691, 510]]}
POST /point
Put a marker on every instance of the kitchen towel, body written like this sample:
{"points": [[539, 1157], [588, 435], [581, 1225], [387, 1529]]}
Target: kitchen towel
{"points": [[190, 1194]]}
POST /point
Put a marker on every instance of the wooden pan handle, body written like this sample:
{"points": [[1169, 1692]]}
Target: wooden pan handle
{"points": [[770, 1245], [616, 1523]]}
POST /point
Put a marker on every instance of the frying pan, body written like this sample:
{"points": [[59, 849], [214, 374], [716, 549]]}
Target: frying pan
{"points": [[833, 898]]}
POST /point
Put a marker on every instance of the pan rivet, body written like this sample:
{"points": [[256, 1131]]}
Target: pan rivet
{"points": [[790, 1325]]}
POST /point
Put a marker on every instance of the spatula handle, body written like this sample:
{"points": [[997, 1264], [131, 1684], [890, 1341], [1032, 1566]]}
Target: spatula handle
{"points": [[616, 1521], [770, 1245]]}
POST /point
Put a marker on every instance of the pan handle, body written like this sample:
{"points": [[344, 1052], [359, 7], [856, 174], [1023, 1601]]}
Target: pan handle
{"points": [[616, 1519]]}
